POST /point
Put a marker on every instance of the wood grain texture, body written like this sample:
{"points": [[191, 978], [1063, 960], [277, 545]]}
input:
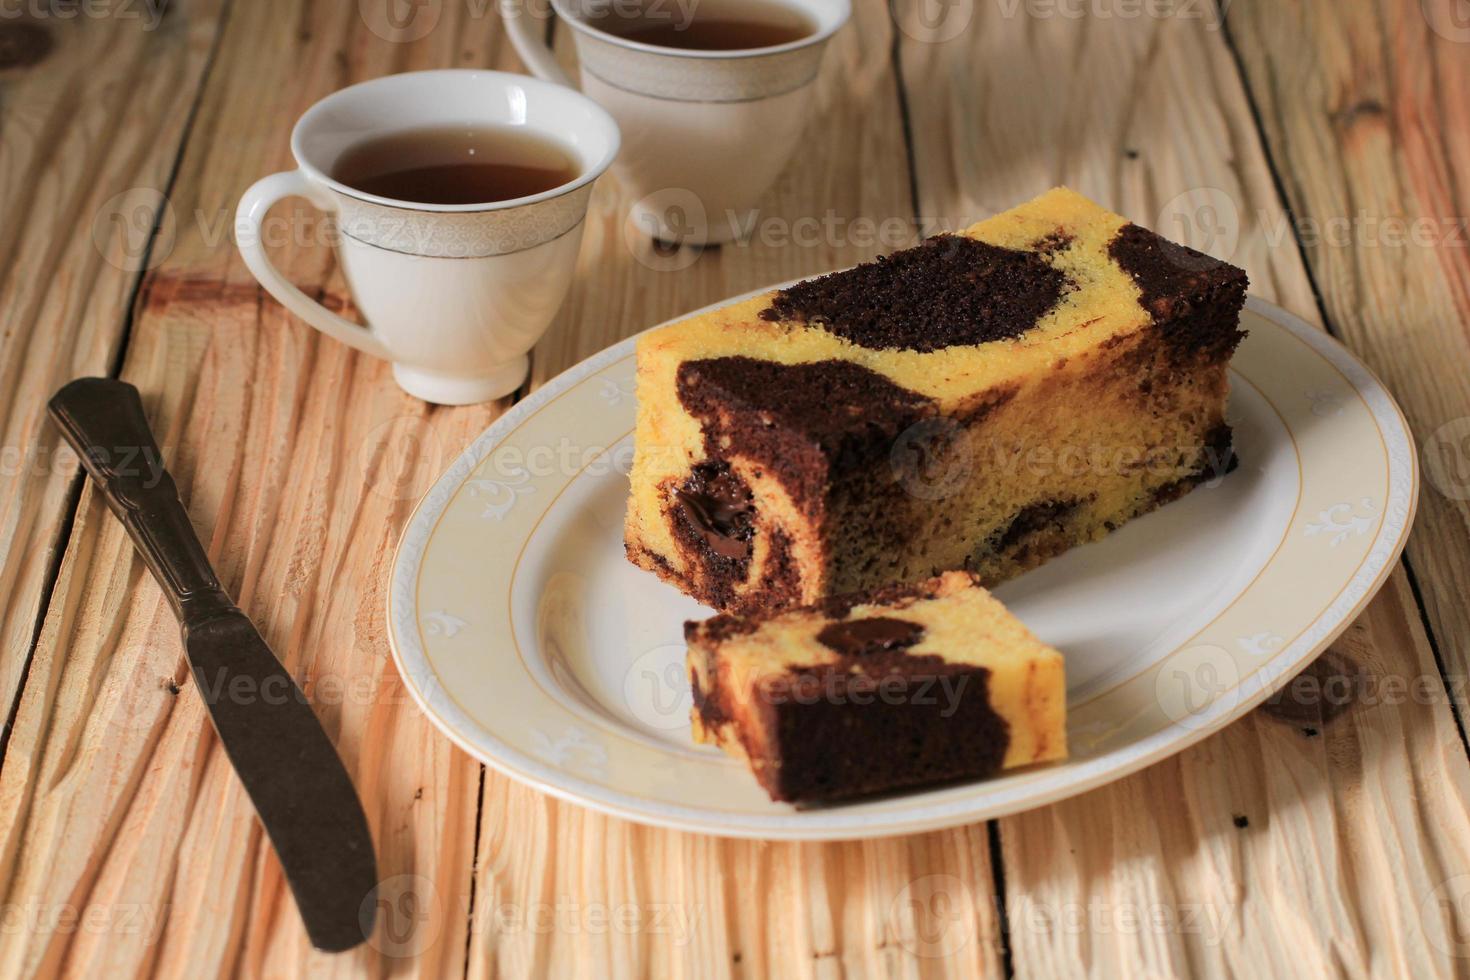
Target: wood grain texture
{"points": [[1366, 108], [93, 111], [299, 461], [1329, 857], [1323, 843]]}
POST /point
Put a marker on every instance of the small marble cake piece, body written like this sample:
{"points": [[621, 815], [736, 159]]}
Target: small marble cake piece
{"points": [[902, 687], [982, 401]]}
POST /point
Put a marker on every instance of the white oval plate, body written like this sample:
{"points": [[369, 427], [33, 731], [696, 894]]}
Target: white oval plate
{"points": [[527, 637]]}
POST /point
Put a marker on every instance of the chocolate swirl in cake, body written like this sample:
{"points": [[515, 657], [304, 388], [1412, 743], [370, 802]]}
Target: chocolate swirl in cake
{"points": [[1193, 298], [948, 291], [802, 421]]}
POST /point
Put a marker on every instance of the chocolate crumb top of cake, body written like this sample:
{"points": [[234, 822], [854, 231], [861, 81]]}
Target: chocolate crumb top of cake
{"points": [[865, 637], [948, 291], [1168, 273], [802, 421], [820, 398]]}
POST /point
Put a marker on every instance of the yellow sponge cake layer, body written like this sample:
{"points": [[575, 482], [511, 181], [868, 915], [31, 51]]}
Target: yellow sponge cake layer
{"points": [[982, 401]]}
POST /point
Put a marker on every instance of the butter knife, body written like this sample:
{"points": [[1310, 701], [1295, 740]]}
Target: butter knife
{"points": [[287, 764]]}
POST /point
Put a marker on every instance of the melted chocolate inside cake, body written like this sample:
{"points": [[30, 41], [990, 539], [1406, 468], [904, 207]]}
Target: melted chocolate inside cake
{"points": [[718, 506]]}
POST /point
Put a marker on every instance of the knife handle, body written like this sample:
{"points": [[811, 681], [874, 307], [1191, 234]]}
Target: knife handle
{"points": [[104, 421]]}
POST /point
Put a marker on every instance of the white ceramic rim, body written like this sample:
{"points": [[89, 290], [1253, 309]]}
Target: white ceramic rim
{"points": [[588, 174], [841, 15], [1066, 780]]}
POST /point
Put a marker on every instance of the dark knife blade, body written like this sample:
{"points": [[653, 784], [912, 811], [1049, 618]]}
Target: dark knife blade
{"points": [[284, 759], [293, 775]]}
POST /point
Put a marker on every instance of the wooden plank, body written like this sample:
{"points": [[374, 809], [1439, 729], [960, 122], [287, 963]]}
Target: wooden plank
{"points": [[115, 803], [704, 907], [92, 111], [1364, 107], [300, 461], [1272, 848]]}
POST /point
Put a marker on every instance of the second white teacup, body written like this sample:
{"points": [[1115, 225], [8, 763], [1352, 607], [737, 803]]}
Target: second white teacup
{"points": [[455, 295], [705, 132]]}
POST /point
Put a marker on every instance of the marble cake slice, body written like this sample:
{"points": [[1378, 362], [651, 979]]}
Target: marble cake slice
{"points": [[982, 401], [902, 687]]}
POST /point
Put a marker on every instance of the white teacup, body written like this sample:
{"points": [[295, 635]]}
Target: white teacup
{"points": [[705, 132], [454, 295]]}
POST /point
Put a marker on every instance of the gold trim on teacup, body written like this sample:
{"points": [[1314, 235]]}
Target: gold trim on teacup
{"points": [[761, 74], [456, 256], [669, 98], [821, 33], [461, 234]]}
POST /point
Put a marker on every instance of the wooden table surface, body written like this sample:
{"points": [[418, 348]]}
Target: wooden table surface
{"points": [[1318, 143]]}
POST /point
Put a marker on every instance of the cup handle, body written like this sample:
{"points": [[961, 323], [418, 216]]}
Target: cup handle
{"points": [[249, 219], [526, 32]]}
